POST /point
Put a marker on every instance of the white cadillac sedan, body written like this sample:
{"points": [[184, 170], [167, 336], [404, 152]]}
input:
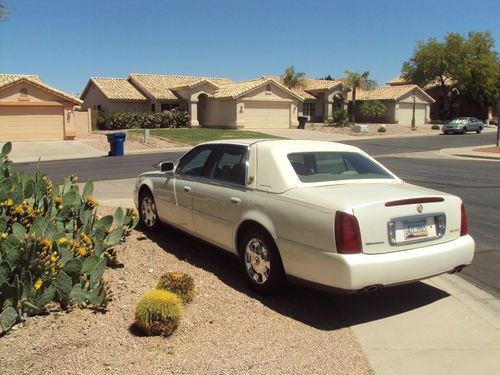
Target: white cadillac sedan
{"points": [[323, 213]]}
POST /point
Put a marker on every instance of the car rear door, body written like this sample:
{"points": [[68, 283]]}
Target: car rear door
{"points": [[221, 197]]}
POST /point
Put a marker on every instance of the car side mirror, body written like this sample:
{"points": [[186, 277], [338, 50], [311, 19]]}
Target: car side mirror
{"points": [[166, 166]]}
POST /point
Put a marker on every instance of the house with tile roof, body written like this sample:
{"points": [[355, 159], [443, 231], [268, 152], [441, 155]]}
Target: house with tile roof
{"points": [[33, 110], [211, 102], [399, 101], [448, 103]]}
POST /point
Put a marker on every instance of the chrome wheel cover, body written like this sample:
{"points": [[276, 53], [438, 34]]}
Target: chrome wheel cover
{"points": [[148, 211], [257, 261]]}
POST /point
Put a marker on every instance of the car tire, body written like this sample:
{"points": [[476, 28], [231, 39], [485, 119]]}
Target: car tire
{"points": [[479, 130], [464, 130], [445, 133], [148, 215], [261, 262]]}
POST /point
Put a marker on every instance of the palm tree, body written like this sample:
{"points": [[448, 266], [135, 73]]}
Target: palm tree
{"points": [[291, 78], [355, 81]]}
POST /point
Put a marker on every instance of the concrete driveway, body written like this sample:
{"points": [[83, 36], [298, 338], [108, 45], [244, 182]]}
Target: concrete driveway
{"points": [[23, 152]]}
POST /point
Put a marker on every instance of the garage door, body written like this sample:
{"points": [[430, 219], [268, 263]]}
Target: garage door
{"points": [[267, 115], [25, 123], [406, 113]]}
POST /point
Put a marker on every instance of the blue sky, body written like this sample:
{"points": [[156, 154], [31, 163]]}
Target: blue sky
{"points": [[68, 41]]}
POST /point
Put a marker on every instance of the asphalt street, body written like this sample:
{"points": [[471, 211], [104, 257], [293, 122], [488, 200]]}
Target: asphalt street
{"points": [[477, 182]]}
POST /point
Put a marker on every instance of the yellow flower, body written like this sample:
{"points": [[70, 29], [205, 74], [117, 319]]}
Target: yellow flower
{"points": [[82, 251], [60, 207], [92, 201], [53, 258], [3, 236], [38, 284], [62, 240], [46, 242], [57, 200], [19, 209], [9, 202], [85, 238]]}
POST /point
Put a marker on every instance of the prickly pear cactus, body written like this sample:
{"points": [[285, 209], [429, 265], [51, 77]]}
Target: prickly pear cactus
{"points": [[53, 246]]}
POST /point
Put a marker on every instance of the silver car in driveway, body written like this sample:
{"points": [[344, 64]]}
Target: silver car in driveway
{"points": [[463, 125]]}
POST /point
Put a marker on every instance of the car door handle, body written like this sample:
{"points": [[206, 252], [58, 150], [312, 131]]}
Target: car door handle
{"points": [[235, 200], [187, 189]]}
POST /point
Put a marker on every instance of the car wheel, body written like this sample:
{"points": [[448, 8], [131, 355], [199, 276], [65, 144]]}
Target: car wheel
{"points": [[445, 133], [148, 214], [261, 262], [478, 131], [464, 130]]}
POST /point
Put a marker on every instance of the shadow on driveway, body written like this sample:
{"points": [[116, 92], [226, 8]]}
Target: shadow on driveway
{"points": [[318, 309]]}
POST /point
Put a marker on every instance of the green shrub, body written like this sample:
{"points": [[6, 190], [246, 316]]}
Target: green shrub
{"points": [[435, 127], [372, 109], [382, 129], [147, 120], [53, 246], [178, 283], [158, 312]]}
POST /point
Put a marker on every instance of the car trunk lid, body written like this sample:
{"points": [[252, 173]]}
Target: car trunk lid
{"points": [[392, 217]]}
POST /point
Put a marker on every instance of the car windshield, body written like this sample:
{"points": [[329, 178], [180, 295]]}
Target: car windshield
{"points": [[335, 166]]}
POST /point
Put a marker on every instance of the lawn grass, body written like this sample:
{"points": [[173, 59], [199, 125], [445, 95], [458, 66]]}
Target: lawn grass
{"points": [[194, 136]]}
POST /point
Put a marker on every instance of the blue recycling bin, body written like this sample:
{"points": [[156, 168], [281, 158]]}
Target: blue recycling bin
{"points": [[116, 143]]}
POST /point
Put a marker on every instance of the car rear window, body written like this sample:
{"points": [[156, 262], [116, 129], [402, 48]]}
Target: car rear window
{"points": [[334, 166]]}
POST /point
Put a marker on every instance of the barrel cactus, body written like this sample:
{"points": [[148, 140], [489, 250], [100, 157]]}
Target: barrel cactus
{"points": [[158, 313], [178, 283]]}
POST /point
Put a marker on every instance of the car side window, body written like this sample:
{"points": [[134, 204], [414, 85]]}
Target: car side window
{"points": [[195, 162], [230, 165]]}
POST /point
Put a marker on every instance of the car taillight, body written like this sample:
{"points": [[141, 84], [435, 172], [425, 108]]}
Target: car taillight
{"points": [[347, 234], [464, 229]]}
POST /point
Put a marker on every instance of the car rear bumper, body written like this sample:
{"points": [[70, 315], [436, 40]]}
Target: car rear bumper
{"points": [[357, 271]]}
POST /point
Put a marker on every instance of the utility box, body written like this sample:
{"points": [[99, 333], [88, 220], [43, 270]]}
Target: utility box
{"points": [[359, 128]]}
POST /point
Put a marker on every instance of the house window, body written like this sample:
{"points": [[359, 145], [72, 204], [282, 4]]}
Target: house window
{"points": [[153, 107], [99, 107], [168, 106], [309, 109]]}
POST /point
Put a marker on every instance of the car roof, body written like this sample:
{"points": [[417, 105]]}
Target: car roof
{"points": [[297, 145]]}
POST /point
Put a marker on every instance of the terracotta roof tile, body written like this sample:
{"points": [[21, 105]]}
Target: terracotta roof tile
{"points": [[161, 86], [310, 84], [6, 79], [118, 89], [235, 89], [387, 93], [10, 79]]}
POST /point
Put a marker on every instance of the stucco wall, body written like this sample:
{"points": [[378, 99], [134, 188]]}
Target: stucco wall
{"points": [[35, 95]]}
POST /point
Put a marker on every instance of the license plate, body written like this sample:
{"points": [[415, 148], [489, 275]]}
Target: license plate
{"points": [[415, 229]]}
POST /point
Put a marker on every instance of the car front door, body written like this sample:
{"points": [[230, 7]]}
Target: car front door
{"points": [[174, 197], [221, 197]]}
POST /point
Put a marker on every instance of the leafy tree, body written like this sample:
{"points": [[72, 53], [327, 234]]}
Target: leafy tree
{"points": [[354, 81], [329, 78], [292, 78], [470, 66], [3, 12], [372, 109]]}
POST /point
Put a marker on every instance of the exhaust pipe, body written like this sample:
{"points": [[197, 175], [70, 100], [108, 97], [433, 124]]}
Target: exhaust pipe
{"points": [[370, 289]]}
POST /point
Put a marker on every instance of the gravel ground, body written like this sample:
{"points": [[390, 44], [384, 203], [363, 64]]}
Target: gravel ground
{"points": [[391, 129], [226, 329]]}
